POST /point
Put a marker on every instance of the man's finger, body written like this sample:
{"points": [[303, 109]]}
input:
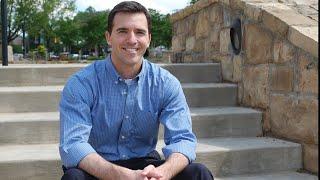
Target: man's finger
{"points": [[154, 174], [147, 169]]}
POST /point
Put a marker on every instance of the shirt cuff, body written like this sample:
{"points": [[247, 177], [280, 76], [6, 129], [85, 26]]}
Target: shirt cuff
{"points": [[72, 156], [186, 148]]}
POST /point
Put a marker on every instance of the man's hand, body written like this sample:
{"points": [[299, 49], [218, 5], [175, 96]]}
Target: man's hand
{"points": [[173, 165], [153, 173]]}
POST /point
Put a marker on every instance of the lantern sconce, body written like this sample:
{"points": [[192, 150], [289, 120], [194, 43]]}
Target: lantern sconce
{"points": [[236, 36]]}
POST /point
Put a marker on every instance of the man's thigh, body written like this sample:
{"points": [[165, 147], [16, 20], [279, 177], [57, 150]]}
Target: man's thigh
{"points": [[194, 171], [139, 163], [134, 164]]}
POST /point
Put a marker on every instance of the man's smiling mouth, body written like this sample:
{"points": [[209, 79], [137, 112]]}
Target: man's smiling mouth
{"points": [[131, 50]]}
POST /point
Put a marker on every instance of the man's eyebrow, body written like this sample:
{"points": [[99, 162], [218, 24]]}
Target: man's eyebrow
{"points": [[122, 29], [142, 30]]}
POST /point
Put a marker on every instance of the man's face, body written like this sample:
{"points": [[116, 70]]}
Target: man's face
{"points": [[129, 38]]}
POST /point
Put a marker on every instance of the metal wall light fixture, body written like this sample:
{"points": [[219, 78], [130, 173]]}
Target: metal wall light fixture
{"points": [[236, 36]]}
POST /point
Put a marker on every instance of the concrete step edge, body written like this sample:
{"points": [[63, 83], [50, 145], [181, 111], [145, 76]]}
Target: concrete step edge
{"points": [[281, 175], [59, 88], [26, 66], [16, 153], [196, 111]]}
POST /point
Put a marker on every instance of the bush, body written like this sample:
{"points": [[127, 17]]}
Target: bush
{"points": [[42, 50], [17, 49]]}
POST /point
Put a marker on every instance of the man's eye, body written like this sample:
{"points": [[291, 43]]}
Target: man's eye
{"points": [[122, 31], [141, 32]]}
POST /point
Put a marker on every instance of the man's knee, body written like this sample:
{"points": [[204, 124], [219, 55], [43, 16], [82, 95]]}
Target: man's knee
{"points": [[76, 174], [195, 171]]}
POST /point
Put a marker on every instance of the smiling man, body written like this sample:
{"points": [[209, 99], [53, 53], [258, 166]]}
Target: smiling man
{"points": [[110, 112]]}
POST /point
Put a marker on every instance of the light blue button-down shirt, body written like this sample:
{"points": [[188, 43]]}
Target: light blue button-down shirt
{"points": [[100, 112]]}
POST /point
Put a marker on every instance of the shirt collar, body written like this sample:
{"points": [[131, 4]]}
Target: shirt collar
{"points": [[115, 75]]}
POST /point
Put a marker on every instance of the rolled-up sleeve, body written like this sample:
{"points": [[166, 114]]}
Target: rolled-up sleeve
{"points": [[75, 122], [176, 119]]}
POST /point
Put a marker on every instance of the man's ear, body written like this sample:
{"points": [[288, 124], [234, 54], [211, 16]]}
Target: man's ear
{"points": [[107, 36], [149, 39]]}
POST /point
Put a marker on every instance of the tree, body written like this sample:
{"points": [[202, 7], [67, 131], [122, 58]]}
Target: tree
{"points": [[193, 1], [161, 29], [36, 17], [93, 25], [48, 12], [68, 32]]}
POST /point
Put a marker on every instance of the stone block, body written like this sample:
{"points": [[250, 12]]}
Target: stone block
{"points": [[294, 118], [227, 17], [266, 126], [240, 93], [274, 24], [227, 68], [10, 54], [253, 12], [310, 157], [208, 49], [225, 2], [283, 51], [199, 45], [257, 44], [190, 42], [308, 77], [225, 41], [237, 68], [214, 39], [237, 5], [190, 24], [180, 27], [216, 14], [281, 78], [255, 86], [202, 26], [305, 38], [178, 43], [187, 58]]}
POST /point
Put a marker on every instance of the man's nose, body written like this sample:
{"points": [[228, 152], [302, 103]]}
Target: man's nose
{"points": [[132, 37]]}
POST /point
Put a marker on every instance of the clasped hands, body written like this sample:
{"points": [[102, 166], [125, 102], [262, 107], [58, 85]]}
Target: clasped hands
{"points": [[150, 173]]}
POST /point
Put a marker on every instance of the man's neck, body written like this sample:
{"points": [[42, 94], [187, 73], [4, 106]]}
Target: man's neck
{"points": [[127, 71]]}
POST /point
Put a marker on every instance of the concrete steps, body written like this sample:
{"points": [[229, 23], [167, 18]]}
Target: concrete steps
{"points": [[222, 155], [228, 142], [43, 127], [46, 98], [57, 74], [284, 175]]}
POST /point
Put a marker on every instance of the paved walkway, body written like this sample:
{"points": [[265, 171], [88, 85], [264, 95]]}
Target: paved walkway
{"points": [[308, 8]]}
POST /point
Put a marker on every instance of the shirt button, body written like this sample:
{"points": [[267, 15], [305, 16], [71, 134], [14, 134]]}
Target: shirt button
{"points": [[124, 92], [123, 137], [123, 156], [127, 117], [116, 82]]}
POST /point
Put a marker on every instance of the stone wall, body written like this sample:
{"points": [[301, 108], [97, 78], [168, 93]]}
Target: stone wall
{"points": [[10, 54], [276, 70]]}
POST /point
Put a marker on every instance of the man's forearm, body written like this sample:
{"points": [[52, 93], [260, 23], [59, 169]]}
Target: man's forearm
{"points": [[95, 165], [173, 165]]}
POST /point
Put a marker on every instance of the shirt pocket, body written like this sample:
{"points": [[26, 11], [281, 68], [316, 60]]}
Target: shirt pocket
{"points": [[146, 124]]}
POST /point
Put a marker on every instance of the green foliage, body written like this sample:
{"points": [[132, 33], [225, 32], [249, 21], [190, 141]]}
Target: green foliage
{"points": [[55, 25], [161, 29], [193, 1], [92, 25], [42, 50], [36, 16], [17, 49]]}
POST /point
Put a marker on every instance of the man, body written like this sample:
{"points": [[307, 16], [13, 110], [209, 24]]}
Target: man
{"points": [[110, 112]]}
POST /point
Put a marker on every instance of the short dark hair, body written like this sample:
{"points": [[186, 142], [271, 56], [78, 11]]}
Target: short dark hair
{"points": [[128, 7]]}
